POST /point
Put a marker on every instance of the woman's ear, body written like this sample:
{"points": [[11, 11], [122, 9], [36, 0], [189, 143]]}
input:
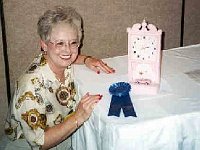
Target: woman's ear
{"points": [[43, 45]]}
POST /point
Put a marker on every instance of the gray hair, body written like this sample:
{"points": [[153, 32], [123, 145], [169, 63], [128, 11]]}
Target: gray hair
{"points": [[55, 16]]}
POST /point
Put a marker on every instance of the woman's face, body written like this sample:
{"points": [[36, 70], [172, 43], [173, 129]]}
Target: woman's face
{"points": [[62, 49]]}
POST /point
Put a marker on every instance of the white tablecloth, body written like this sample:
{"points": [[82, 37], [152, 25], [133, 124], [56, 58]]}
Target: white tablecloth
{"points": [[169, 120]]}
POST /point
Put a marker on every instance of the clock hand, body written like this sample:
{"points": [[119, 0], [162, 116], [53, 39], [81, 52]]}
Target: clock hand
{"points": [[143, 48]]}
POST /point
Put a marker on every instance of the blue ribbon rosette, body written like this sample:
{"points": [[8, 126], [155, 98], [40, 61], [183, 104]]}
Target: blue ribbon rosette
{"points": [[121, 100]]}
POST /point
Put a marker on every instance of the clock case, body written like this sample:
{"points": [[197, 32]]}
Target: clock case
{"points": [[144, 73]]}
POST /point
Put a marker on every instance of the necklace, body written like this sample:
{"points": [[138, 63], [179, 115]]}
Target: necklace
{"points": [[65, 93]]}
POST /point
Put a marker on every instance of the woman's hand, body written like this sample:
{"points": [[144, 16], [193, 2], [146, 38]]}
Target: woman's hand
{"points": [[97, 65], [86, 106]]}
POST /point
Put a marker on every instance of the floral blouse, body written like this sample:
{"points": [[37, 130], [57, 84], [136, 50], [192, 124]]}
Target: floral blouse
{"points": [[40, 101]]}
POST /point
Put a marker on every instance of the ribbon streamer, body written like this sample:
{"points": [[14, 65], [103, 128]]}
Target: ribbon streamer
{"points": [[121, 100]]}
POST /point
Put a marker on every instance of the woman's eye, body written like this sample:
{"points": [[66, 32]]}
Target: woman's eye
{"points": [[60, 44], [74, 44]]}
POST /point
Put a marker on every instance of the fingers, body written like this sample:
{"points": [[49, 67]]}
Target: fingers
{"points": [[105, 68], [86, 106], [89, 100], [86, 95], [98, 65], [94, 68]]}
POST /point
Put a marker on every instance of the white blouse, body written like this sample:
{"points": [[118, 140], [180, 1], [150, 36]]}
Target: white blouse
{"points": [[40, 101]]}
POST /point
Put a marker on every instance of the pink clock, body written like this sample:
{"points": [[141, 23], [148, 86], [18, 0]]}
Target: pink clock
{"points": [[144, 58]]}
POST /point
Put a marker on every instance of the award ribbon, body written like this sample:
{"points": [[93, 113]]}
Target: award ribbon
{"points": [[121, 100]]}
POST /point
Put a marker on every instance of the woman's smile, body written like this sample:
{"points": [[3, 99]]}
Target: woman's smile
{"points": [[66, 57]]}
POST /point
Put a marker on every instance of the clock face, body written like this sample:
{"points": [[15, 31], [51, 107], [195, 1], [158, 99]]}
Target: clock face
{"points": [[144, 48]]}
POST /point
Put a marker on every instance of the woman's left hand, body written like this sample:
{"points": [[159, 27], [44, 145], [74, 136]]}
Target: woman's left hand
{"points": [[98, 65]]}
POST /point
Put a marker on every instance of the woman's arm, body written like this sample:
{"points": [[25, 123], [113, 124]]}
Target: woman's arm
{"points": [[94, 64], [56, 134]]}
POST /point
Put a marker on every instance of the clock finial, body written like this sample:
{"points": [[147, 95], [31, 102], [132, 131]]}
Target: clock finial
{"points": [[144, 24]]}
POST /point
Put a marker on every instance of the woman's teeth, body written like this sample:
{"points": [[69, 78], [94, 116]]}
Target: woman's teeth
{"points": [[65, 56]]}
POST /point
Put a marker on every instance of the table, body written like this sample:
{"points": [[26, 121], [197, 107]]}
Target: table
{"points": [[169, 120]]}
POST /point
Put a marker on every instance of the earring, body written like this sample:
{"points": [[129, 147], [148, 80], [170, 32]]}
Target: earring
{"points": [[45, 52]]}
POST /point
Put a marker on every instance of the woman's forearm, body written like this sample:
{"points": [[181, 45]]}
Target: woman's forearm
{"points": [[56, 134]]}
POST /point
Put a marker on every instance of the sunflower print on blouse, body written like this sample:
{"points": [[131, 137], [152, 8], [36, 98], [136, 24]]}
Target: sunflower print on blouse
{"points": [[34, 119]]}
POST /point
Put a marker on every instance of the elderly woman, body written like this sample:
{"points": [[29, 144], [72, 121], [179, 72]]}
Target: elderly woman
{"points": [[46, 108]]}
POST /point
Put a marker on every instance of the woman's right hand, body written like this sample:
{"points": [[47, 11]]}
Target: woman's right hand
{"points": [[86, 106]]}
